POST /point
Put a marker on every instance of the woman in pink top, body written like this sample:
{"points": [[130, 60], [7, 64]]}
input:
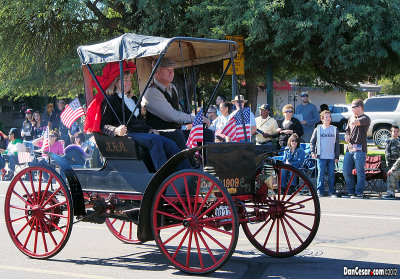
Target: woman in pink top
{"points": [[55, 146]]}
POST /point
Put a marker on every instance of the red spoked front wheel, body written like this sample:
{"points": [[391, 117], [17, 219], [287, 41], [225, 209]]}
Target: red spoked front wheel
{"points": [[284, 219], [194, 222], [38, 212], [126, 231]]}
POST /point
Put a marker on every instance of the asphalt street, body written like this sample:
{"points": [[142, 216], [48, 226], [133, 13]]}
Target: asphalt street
{"points": [[352, 234]]}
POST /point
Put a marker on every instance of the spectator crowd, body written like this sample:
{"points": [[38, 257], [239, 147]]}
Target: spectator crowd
{"points": [[157, 124]]}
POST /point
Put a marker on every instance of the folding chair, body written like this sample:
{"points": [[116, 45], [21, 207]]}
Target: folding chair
{"points": [[374, 174], [339, 178]]}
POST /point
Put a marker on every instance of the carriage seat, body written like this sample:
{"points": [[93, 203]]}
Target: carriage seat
{"points": [[116, 148]]}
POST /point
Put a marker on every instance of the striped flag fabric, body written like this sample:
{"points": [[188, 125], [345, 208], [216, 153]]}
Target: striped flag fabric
{"points": [[234, 127], [45, 140], [230, 129], [239, 124], [24, 157], [71, 113], [196, 133]]}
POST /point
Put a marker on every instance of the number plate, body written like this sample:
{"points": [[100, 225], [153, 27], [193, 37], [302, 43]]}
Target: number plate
{"points": [[222, 210]]}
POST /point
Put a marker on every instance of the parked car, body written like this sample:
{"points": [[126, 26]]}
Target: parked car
{"points": [[384, 112], [340, 115]]}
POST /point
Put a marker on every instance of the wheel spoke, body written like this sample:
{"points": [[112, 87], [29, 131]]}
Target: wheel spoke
{"points": [[36, 235], [189, 248], [23, 228], [198, 250], [277, 235], [301, 224], [29, 234], [269, 232], [26, 191], [207, 247], [51, 197], [293, 230], [175, 235], [216, 229], [299, 212], [205, 199], [45, 190], [187, 195], [298, 203], [212, 207], [286, 235], [170, 215], [263, 225], [197, 194], [54, 205], [43, 236], [215, 218], [54, 225], [173, 205], [213, 239], [180, 198], [180, 244], [122, 227]]}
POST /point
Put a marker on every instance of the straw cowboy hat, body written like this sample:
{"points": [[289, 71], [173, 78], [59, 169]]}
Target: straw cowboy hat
{"points": [[241, 98]]}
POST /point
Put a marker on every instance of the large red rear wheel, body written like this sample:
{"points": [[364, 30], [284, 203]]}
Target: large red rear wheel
{"points": [[126, 231], [283, 222], [38, 212], [194, 222]]}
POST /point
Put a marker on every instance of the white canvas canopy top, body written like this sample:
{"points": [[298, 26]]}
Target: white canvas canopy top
{"points": [[194, 51], [143, 50]]}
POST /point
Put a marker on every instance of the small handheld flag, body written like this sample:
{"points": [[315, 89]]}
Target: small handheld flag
{"points": [[196, 133], [71, 113]]}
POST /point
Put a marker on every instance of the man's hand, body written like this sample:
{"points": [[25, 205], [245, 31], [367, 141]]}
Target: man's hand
{"points": [[355, 122], [206, 121], [265, 135], [288, 132], [347, 138], [120, 131], [303, 122], [389, 172], [314, 156], [154, 131], [1, 150]]}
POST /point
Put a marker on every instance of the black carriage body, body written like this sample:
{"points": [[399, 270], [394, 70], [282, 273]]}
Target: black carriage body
{"points": [[234, 164]]}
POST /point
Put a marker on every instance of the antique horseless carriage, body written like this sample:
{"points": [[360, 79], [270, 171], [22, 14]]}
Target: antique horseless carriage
{"points": [[192, 214]]}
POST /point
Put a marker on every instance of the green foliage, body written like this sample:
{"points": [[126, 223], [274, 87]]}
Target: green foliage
{"points": [[336, 42], [350, 96], [390, 86]]}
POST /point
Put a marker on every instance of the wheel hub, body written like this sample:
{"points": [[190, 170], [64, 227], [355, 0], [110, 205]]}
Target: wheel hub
{"points": [[190, 222], [277, 210]]}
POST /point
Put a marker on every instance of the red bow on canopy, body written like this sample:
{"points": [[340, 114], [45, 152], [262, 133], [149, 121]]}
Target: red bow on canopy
{"points": [[94, 113]]}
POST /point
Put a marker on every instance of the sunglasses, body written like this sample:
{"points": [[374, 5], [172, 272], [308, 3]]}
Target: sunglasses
{"points": [[304, 96], [354, 106], [52, 136], [288, 111]]}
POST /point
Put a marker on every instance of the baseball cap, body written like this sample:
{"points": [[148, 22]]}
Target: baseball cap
{"points": [[265, 106], [29, 111], [304, 93]]}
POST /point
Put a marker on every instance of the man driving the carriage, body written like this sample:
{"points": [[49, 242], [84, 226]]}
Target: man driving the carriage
{"points": [[162, 106], [159, 147]]}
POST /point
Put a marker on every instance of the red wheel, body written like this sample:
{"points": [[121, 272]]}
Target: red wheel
{"points": [[38, 212], [194, 222], [125, 231], [283, 222]]}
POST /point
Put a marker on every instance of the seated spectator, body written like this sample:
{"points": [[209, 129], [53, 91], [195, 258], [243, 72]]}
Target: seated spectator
{"points": [[288, 126], [392, 154], [293, 155], [15, 145], [220, 99], [54, 145], [325, 148]]}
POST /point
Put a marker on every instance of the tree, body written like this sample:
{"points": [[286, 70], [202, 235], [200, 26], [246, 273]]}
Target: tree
{"points": [[332, 42]]}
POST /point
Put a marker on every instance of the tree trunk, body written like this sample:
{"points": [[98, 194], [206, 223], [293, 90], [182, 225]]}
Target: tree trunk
{"points": [[252, 93]]}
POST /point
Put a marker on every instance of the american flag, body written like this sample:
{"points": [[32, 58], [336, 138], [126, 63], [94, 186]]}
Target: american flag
{"points": [[24, 157], [71, 113], [234, 127], [196, 133], [45, 140]]}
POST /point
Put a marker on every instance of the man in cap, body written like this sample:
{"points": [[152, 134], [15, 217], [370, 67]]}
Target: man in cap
{"points": [[310, 116], [266, 126], [162, 105]]}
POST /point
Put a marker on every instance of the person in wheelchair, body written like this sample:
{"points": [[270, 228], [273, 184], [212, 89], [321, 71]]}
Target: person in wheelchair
{"points": [[159, 147], [11, 153], [78, 151], [293, 155]]}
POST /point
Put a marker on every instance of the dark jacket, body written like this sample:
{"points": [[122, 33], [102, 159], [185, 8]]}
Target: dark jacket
{"points": [[295, 125], [109, 122]]}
